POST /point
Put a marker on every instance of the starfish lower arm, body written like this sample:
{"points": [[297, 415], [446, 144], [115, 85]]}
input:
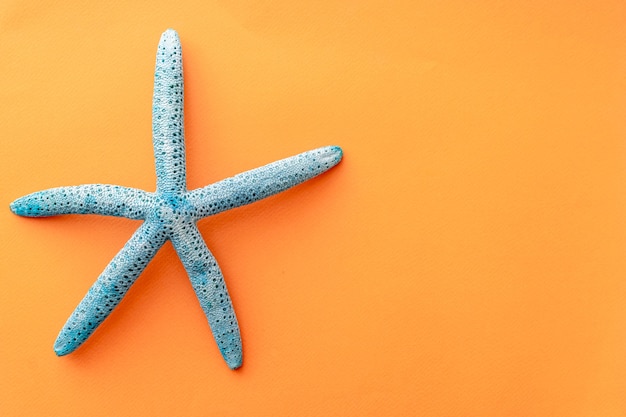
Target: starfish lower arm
{"points": [[208, 283], [110, 287]]}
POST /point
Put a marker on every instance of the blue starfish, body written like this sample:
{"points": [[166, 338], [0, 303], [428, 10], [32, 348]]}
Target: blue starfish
{"points": [[169, 213]]}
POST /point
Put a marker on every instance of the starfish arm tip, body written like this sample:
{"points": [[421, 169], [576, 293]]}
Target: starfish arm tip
{"points": [[14, 207], [335, 153], [62, 347], [235, 363], [24, 206], [169, 34]]}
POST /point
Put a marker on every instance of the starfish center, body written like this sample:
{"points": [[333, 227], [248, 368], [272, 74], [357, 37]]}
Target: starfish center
{"points": [[171, 209]]}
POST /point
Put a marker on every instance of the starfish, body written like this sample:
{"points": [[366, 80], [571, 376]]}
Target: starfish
{"points": [[170, 213]]}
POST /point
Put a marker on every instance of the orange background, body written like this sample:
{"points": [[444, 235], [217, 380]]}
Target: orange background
{"points": [[467, 257]]}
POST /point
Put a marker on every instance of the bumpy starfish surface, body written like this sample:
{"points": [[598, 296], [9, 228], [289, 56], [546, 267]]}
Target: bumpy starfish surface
{"points": [[169, 213]]}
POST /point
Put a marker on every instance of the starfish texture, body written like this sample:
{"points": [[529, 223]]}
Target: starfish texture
{"points": [[169, 213]]}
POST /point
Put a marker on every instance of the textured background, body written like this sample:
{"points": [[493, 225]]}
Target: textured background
{"points": [[467, 258]]}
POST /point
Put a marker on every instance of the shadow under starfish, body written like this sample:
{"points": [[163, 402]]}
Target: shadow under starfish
{"points": [[169, 213]]}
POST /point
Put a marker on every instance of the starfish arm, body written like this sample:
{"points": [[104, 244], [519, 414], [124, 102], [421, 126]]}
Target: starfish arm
{"points": [[208, 283], [110, 287], [109, 200], [167, 115], [256, 184]]}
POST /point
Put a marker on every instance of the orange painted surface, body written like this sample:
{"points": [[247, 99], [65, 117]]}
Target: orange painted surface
{"points": [[467, 257]]}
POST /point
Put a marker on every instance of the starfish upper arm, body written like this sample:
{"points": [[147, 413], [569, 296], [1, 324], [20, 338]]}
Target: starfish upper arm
{"points": [[109, 200], [256, 184], [168, 135]]}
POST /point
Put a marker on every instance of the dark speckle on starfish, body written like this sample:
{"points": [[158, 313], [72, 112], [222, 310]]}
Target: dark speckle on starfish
{"points": [[170, 213]]}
